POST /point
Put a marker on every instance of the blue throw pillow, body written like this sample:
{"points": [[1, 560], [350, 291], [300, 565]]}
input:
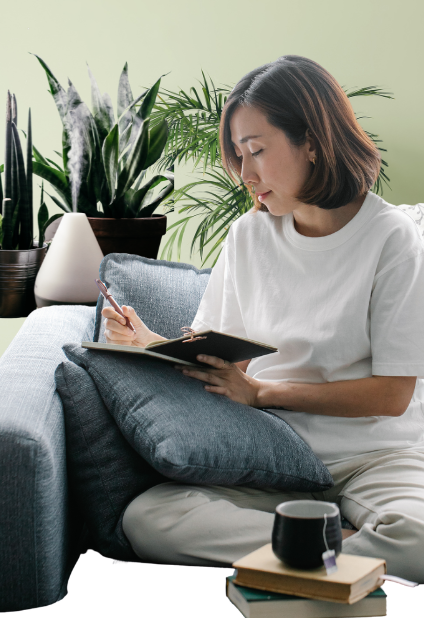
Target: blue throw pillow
{"points": [[192, 436], [104, 472], [165, 295]]}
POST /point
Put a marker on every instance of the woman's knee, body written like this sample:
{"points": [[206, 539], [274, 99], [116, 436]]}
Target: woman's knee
{"points": [[395, 536], [149, 520]]}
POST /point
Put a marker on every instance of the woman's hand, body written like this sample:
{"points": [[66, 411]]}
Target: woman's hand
{"points": [[117, 332], [225, 378]]}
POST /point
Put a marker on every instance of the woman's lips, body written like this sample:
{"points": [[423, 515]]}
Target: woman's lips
{"points": [[262, 195]]}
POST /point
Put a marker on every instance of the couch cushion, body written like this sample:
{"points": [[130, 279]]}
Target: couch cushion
{"points": [[104, 472], [165, 295], [193, 436]]}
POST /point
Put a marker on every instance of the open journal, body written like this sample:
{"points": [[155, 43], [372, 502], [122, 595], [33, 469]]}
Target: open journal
{"points": [[185, 349]]}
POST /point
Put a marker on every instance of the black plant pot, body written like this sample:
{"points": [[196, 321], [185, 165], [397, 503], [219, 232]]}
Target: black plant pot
{"points": [[140, 236], [18, 270]]}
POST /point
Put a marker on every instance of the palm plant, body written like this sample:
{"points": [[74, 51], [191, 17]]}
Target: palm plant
{"points": [[193, 122], [106, 161], [16, 217]]}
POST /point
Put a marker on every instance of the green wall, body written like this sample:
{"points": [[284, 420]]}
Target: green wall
{"points": [[369, 42]]}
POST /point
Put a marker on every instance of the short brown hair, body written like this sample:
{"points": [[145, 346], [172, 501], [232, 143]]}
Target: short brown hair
{"points": [[296, 94]]}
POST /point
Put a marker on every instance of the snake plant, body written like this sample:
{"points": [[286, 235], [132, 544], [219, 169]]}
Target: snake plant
{"points": [[105, 161], [16, 219], [193, 118]]}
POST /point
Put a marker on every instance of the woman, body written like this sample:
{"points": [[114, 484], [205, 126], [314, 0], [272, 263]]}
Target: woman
{"points": [[333, 276]]}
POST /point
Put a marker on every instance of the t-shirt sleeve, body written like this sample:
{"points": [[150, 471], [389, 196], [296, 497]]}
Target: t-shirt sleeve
{"points": [[219, 308], [397, 320]]}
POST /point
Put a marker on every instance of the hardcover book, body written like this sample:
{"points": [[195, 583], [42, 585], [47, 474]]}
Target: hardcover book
{"points": [[185, 349], [355, 578], [260, 604]]}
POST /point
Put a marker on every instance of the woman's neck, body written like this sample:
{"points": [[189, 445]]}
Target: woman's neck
{"points": [[316, 222]]}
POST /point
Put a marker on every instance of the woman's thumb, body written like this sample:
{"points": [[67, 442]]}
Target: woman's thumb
{"points": [[129, 311]]}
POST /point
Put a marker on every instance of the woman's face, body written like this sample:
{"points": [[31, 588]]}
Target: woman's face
{"points": [[269, 161]]}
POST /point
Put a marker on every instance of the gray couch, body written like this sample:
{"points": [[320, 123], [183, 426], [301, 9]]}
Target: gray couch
{"points": [[41, 534]]}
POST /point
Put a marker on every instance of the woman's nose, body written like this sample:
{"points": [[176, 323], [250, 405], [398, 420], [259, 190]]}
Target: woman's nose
{"points": [[248, 175]]}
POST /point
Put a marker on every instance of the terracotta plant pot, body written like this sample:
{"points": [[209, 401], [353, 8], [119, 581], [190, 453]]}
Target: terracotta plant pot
{"points": [[18, 270], [137, 236]]}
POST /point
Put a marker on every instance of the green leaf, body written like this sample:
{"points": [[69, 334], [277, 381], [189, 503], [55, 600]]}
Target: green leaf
{"points": [[83, 139], [43, 216], [101, 109], [110, 153], [157, 141], [57, 179], [29, 181], [136, 161], [140, 180], [124, 140], [125, 98], [1, 195], [133, 104], [39, 157], [55, 165], [149, 100], [24, 217], [172, 238], [148, 210], [46, 225], [56, 90], [66, 147], [15, 225], [56, 201], [7, 223]]}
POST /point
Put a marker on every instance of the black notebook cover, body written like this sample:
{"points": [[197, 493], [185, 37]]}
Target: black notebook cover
{"points": [[227, 347]]}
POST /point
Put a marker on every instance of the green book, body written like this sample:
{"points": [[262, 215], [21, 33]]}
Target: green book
{"points": [[254, 603]]}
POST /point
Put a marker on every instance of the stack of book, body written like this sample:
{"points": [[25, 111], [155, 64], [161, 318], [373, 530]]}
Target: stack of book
{"points": [[262, 586]]}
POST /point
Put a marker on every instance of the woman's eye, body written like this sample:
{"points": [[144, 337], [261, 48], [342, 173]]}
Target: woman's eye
{"points": [[254, 154]]}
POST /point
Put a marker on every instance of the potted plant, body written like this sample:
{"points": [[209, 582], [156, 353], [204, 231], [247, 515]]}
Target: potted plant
{"points": [[20, 255], [105, 162], [193, 120]]}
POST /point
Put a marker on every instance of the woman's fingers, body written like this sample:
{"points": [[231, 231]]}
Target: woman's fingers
{"points": [[115, 327], [216, 362], [115, 323], [200, 375], [109, 312], [115, 335]]}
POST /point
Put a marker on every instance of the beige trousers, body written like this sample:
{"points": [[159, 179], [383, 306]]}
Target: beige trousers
{"points": [[380, 493]]}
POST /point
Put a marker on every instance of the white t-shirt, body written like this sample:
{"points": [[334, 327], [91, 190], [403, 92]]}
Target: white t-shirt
{"points": [[339, 307]]}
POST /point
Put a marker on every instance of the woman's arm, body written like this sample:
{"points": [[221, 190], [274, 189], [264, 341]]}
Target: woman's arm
{"points": [[375, 396]]}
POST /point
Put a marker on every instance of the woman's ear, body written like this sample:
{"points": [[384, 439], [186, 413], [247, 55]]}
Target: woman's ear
{"points": [[311, 147]]}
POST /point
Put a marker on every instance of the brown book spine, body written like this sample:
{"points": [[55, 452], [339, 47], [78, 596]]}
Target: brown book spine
{"points": [[367, 584]]}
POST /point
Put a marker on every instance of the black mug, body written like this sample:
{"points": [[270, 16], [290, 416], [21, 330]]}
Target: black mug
{"points": [[298, 532]]}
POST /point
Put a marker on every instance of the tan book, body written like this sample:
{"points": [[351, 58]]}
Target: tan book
{"points": [[354, 579]]}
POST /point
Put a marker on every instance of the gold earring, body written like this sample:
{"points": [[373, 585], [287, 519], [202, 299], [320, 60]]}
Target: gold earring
{"points": [[313, 160]]}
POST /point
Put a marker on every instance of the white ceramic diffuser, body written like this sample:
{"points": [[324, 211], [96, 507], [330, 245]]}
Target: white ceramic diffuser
{"points": [[68, 272]]}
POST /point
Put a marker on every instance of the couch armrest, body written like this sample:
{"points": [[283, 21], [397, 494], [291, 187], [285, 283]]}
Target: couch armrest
{"points": [[37, 551]]}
